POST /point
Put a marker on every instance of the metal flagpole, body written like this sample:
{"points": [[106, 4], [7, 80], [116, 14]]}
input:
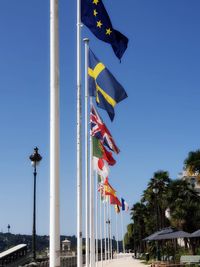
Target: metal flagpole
{"points": [[105, 245], [108, 227], [117, 236], [86, 41], [79, 146], [110, 231], [122, 226], [54, 259], [100, 226], [92, 242], [96, 212]]}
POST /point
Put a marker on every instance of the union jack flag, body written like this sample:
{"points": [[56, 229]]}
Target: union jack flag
{"points": [[100, 131]]}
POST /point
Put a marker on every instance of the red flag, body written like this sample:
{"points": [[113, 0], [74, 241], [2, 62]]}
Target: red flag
{"points": [[108, 156], [114, 200]]}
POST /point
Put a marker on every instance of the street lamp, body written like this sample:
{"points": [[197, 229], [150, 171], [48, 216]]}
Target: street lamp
{"points": [[35, 159]]}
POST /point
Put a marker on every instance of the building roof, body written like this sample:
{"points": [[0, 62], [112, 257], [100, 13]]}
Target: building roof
{"points": [[11, 250]]}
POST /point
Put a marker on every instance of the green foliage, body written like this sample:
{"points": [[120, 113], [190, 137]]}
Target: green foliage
{"points": [[162, 193]]}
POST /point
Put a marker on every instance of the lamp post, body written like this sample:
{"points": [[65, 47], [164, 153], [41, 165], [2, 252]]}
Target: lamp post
{"points": [[156, 191], [35, 159]]}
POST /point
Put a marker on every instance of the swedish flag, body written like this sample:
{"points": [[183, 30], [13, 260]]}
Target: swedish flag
{"points": [[95, 17], [103, 85]]}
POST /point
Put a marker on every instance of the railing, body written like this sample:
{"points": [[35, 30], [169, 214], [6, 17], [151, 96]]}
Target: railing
{"points": [[71, 261]]}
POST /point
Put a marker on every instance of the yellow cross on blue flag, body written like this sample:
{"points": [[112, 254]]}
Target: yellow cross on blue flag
{"points": [[95, 17], [103, 85]]}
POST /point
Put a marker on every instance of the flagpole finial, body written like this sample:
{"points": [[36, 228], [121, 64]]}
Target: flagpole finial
{"points": [[86, 40]]}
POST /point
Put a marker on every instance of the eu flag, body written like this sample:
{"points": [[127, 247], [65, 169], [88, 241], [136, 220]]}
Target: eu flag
{"points": [[95, 17], [103, 85]]}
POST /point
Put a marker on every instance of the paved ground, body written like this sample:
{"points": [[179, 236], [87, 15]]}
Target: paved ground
{"points": [[127, 261]]}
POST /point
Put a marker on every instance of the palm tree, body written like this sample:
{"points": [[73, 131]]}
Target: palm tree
{"points": [[155, 197], [138, 213], [192, 162], [184, 205]]}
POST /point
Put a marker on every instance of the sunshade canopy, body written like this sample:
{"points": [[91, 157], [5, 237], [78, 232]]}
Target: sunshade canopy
{"points": [[167, 233]]}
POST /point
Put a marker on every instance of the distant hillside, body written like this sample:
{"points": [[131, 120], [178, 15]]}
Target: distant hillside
{"points": [[8, 240]]}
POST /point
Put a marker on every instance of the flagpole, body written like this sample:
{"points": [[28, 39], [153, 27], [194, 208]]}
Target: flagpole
{"points": [[86, 42], [105, 246], [110, 232], [96, 212], [92, 242], [100, 226], [122, 227], [108, 227], [79, 145], [54, 256], [117, 236]]}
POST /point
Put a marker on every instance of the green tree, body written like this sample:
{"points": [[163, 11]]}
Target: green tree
{"points": [[155, 197], [192, 162]]}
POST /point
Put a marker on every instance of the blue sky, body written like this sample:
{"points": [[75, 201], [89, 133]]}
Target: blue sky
{"points": [[155, 127]]}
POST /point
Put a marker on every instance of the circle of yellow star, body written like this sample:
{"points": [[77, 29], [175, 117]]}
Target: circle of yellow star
{"points": [[95, 2], [95, 12], [108, 31], [99, 24]]}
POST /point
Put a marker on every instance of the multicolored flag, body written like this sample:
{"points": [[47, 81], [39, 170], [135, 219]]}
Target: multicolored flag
{"points": [[114, 200], [100, 131], [124, 205], [95, 17], [108, 189], [103, 85], [100, 151]]}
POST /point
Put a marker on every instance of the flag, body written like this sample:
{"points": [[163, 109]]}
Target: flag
{"points": [[124, 205], [108, 189], [100, 151], [100, 131], [103, 85], [101, 167], [117, 209], [114, 200], [95, 17]]}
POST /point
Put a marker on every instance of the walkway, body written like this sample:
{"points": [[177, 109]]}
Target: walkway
{"points": [[127, 261]]}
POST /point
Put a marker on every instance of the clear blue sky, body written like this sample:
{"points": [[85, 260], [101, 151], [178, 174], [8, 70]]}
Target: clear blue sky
{"points": [[155, 127]]}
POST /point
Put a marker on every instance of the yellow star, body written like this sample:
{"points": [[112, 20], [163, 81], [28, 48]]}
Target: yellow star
{"points": [[108, 31], [95, 2], [95, 12], [99, 24]]}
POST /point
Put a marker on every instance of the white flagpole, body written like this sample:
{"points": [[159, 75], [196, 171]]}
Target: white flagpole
{"points": [[96, 212], [79, 146], [54, 259], [110, 231], [92, 236], [105, 245], [86, 41], [100, 227], [122, 226], [108, 227], [117, 236]]}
